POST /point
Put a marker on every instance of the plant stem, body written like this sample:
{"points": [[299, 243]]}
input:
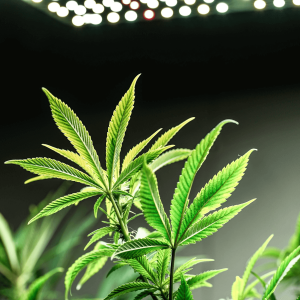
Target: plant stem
{"points": [[172, 274], [125, 231]]}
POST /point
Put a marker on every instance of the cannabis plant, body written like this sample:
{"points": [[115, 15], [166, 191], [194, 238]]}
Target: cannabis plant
{"points": [[277, 256], [134, 182], [241, 292], [33, 256]]}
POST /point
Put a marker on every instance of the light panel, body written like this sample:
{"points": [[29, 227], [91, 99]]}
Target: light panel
{"points": [[95, 12]]}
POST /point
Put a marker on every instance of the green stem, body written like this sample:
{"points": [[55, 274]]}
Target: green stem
{"points": [[123, 226], [172, 274], [125, 231]]}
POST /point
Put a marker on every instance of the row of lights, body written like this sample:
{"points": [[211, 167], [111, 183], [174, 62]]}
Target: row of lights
{"points": [[113, 17]]}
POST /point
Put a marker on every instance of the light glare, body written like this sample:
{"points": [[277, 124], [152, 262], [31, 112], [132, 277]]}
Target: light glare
{"points": [[208, 1], [71, 5], [92, 19], [98, 8], [89, 3], [149, 14], [185, 10], [171, 3], [80, 10], [203, 9], [259, 4], [278, 3], [78, 20], [222, 7], [189, 2], [62, 12], [53, 6], [134, 5], [152, 3], [37, 1], [116, 7], [126, 2], [296, 2], [107, 3], [167, 12], [130, 15], [113, 17]]}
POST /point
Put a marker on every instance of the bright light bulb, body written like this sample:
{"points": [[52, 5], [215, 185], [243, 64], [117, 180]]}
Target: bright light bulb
{"points": [[167, 12], [278, 3], [259, 4], [149, 14], [53, 6], [130, 15], [152, 3], [203, 9], [189, 2], [62, 12], [126, 2], [185, 10], [97, 19], [144, 1], [222, 7], [78, 20], [98, 8], [37, 1], [134, 5], [89, 3], [116, 7], [113, 17], [208, 1], [107, 3], [171, 3], [71, 5], [80, 10], [296, 2]]}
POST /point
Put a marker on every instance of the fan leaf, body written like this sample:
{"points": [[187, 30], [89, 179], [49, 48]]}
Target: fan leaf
{"points": [[184, 292], [63, 202], [75, 131], [211, 223], [93, 267], [98, 234], [116, 130], [151, 204], [98, 203], [139, 247], [55, 169], [36, 178], [163, 261], [80, 263], [129, 287], [179, 202], [200, 279], [169, 158], [282, 270], [216, 191], [136, 150], [167, 136]]}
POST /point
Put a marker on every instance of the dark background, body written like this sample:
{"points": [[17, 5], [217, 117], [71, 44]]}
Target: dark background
{"points": [[243, 66]]}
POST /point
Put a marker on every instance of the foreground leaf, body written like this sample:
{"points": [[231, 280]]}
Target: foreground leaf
{"points": [[93, 267], [80, 263], [184, 292], [136, 150], [139, 247], [75, 131], [211, 223], [151, 204], [55, 169], [200, 279], [282, 270], [116, 130], [63, 202], [192, 165], [129, 287], [216, 191], [98, 234]]}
